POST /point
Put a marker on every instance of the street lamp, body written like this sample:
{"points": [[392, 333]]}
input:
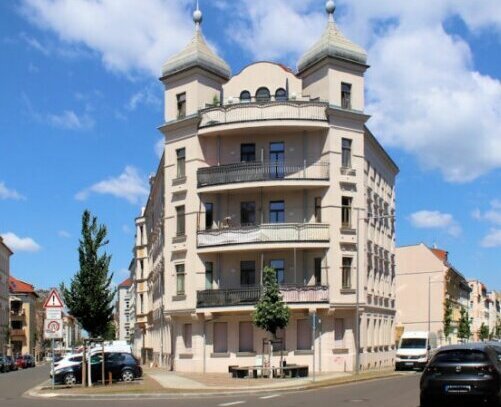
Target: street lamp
{"points": [[357, 305]]}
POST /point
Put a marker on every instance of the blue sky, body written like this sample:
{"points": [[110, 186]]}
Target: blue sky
{"points": [[81, 104]]}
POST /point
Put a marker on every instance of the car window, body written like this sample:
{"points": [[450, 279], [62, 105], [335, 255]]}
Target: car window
{"points": [[413, 343], [76, 359], [96, 359], [461, 356]]}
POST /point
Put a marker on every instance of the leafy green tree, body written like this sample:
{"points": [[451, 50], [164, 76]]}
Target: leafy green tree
{"points": [[271, 312], [464, 329], [90, 296], [497, 330], [483, 333], [111, 332], [448, 318]]}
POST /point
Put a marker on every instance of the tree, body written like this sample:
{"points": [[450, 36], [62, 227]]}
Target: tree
{"points": [[111, 332], [271, 312], [448, 318], [90, 296], [483, 333], [464, 328], [497, 330]]}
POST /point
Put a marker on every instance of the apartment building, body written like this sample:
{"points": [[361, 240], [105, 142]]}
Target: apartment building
{"points": [[480, 304], [494, 311], [267, 167], [5, 254], [23, 321], [425, 280], [122, 309]]}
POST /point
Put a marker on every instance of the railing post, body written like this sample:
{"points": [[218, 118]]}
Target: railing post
{"points": [[304, 169]]}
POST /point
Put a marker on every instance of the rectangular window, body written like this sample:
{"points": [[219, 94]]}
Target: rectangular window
{"points": [[209, 215], [245, 337], [346, 153], [181, 105], [180, 221], [220, 337], [247, 213], [346, 212], [247, 273], [304, 334], [141, 303], [141, 267], [346, 95], [247, 152], [181, 162], [180, 279], [279, 267], [318, 209], [346, 283], [338, 333], [277, 212], [277, 160], [187, 328], [318, 270], [209, 274]]}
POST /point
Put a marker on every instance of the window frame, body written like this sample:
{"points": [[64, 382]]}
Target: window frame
{"points": [[283, 95], [346, 152], [247, 213], [209, 215], [246, 154], [181, 162], [180, 279], [180, 220], [209, 271], [263, 98], [275, 215], [247, 273], [181, 105], [346, 89], [346, 212], [245, 99]]}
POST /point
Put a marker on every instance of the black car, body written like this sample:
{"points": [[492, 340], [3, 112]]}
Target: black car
{"points": [[3, 365], [122, 366], [29, 361], [11, 362], [469, 371]]}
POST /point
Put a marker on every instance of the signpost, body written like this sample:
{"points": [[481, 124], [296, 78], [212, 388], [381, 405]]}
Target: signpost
{"points": [[53, 324]]}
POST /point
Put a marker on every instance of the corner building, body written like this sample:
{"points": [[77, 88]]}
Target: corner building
{"points": [[267, 167]]}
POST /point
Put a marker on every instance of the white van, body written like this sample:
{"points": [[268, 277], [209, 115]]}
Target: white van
{"points": [[415, 349]]}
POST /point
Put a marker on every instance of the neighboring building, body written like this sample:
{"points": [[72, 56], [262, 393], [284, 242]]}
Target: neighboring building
{"points": [[5, 254], [122, 309], [494, 311], [268, 167], [480, 304], [23, 323], [72, 332], [425, 279]]}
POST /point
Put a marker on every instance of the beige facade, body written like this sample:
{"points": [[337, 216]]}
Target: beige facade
{"points": [[5, 254], [480, 305], [23, 320], [425, 280], [267, 167]]}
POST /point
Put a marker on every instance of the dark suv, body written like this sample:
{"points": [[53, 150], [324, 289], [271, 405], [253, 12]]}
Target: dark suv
{"points": [[469, 371]]}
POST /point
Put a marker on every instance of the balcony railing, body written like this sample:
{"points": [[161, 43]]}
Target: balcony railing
{"points": [[250, 295], [252, 111], [265, 233], [17, 332], [262, 171]]}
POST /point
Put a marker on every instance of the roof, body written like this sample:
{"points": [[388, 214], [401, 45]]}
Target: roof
{"points": [[471, 346], [2, 243], [441, 254], [20, 287], [126, 283]]}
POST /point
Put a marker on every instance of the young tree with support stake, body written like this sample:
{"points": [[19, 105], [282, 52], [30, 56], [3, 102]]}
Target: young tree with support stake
{"points": [[483, 333], [448, 318], [464, 329]]}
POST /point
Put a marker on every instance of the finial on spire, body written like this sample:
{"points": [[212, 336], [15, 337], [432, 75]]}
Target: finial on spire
{"points": [[197, 17], [330, 7]]}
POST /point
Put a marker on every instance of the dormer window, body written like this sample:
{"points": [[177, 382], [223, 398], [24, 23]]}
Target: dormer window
{"points": [[181, 105], [245, 97], [281, 95], [263, 95], [346, 95]]}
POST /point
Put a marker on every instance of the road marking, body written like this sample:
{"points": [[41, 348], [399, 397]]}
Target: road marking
{"points": [[271, 396], [233, 403]]}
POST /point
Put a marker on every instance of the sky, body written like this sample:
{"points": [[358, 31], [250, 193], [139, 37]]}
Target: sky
{"points": [[81, 103]]}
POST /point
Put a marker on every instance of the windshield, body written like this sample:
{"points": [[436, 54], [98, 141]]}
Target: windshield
{"points": [[461, 356], [413, 343]]}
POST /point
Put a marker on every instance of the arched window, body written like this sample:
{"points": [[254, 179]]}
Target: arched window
{"points": [[263, 95], [281, 95], [245, 96]]}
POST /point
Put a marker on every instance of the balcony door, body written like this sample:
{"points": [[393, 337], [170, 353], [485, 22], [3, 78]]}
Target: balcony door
{"points": [[279, 266], [277, 160], [277, 212], [247, 213]]}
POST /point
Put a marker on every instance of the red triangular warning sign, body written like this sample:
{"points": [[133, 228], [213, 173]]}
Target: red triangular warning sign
{"points": [[53, 300]]}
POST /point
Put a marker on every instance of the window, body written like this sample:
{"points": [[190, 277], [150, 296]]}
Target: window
{"points": [[279, 343], [181, 162], [245, 337], [262, 95], [318, 270], [304, 334], [318, 209], [209, 274], [277, 212], [277, 160], [346, 283], [247, 213], [181, 105], [245, 96], [346, 212], [247, 152], [279, 267], [180, 279], [247, 273], [346, 95], [338, 333], [220, 337], [187, 336], [141, 303], [346, 153], [209, 215], [180, 221], [281, 95], [141, 267]]}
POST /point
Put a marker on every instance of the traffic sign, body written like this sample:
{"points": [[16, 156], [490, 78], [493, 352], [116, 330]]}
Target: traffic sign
{"points": [[53, 300], [53, 329], [53, 313]]}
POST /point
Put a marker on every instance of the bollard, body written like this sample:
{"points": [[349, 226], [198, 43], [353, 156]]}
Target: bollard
{"points": [[110, 378]]}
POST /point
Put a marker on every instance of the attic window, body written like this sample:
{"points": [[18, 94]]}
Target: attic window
{"points": [[181, 105], [245, 96], [263, 95], [346, 95], [281, 95]]}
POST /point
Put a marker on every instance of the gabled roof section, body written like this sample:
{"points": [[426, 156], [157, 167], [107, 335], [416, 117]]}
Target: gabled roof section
{"points": [[126, 283], [20, 287], [441, 254], [2, 243]]}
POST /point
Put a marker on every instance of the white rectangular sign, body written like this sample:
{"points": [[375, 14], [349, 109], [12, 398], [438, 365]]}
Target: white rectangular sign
{"points": [[53, 329], [53, 313]]}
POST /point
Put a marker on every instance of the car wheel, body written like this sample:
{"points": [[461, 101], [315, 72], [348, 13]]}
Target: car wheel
{"points": [[69, 379], [127, 375]]}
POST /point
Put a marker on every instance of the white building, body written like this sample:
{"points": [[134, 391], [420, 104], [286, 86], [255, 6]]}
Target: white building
{"points": [[123, 309]]}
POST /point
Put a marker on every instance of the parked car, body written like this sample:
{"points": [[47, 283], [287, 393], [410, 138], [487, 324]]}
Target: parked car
{"points": [[468, 371], [29, 361], [4, 367], [20, 362], [11, 362], [123, 366], [415, 350]]}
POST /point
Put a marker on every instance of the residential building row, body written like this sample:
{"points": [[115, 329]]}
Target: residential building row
{"points": [[5, 254]]}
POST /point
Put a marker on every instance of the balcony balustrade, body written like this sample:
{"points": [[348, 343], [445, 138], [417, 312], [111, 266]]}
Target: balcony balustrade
{"points": [[255, 111], [250, 295], [17, 332], [264, 233], [262, 171]]}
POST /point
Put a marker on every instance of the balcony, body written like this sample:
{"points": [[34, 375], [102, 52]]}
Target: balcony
{"points": [[250, 295], [264, 233], [254, 111], [17, 315], [17, 332], [262, 171]]}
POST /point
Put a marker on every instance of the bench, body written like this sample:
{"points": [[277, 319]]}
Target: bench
{"points": [[291, 371]]}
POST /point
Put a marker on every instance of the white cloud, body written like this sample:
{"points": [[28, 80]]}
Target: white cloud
{"points": [[69, 120], [20, 244], [64, 234], [159, 147], [492, 239], [147, 96], [7, 193], [435, 220], [129, 185], [492, 215]]}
